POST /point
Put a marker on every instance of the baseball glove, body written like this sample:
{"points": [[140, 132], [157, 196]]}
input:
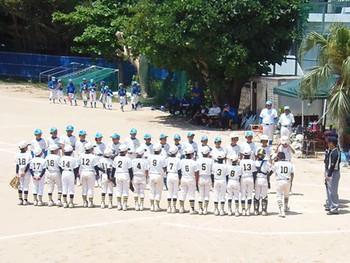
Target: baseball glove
{"points": [[14, 183]]}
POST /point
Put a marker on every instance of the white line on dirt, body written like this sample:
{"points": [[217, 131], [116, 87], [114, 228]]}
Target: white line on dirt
{"points": [[289, 233], [65, 229]]}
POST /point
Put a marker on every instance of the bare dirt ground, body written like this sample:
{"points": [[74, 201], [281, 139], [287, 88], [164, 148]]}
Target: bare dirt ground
{"points": [[51, 234]]}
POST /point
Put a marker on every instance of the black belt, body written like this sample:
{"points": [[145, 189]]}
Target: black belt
{"points": [[268, 123]]}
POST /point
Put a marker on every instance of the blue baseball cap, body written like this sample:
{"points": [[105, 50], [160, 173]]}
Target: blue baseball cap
{"points": [[53, 129], [133, 131], [190, 133], [177, 137], [103, 82], [204, 138], [249, 133], [120, 84], [91, 80], [147, 136], [69, 128], [98, 135], [269, 102], [84, 79], [59, 80], [53, 78], [82, 132], [217, 139], [138, 84], [115, 136], [162, 136], [133, 83], [70, 80], [37, 131], [225, 105]]}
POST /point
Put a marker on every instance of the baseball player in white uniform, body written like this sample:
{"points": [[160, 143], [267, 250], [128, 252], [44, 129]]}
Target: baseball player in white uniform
{"points": [[114, 144], [123, 173], [157, 169], [233, 147], [38, 142], [220, 172], [133, 143], [204, 144], [205, 165], [69, 169], [191, 142], [217, 149], [140, 169], [99, 149], [107, 180], [264, 144], [233, 183], [92, 89], [53, 139], [249, 144], [173, 174], [53, 89], [247, 181], [165, 146], [180, 148], [286, 121], [37, 170], [283, 171], [60, 94], [22, 170], [147, 145], [285, 147], [80, 144], [261, 182], [69, 138], [189, 180], [53, 174], [88, 167], [268, 118]]}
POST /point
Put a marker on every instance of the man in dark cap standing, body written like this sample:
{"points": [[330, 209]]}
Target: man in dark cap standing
{"points": [[332, 175]]}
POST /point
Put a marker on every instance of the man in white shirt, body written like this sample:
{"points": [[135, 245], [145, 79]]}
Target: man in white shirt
{"points": [[268, 117], [286, 121]]}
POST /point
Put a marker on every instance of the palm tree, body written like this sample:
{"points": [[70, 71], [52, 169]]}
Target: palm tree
{"points": [[333, 63]]}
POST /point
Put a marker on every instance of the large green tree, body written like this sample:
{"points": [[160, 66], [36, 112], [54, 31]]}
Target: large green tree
{"points": [[333, 61], [221, 42]]}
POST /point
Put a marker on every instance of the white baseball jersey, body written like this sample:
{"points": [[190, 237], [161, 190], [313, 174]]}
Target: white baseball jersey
{"points": [[99, 149], [122, 164], [165, 150], [68, 163], [229, 149], [248, 167], [37, 164], [71, 140], [286, 120], [266, 148], [215, 152], [200, 148], [79, 147], [252, 148], [188, 169], [148, 148], [132, 144], [53, 141], [173, 165], [283, 170], [52, 163], [264, 169], [268, 115], [23, 159], [105, 163], [194, 145], [180, 150], [139, 167], [41, 144], [287, 152], [205, 166], [220, 171], [114, 147], [87, 162], [157, 164], [234, 172]]}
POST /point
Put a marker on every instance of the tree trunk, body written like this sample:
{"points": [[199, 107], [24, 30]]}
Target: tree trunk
{"points": [[341, 130], [120, 70], [231, 94]]}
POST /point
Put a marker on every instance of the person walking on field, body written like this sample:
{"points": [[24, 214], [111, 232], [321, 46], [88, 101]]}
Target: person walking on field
{"points": [[268, 118], [286, 122]]}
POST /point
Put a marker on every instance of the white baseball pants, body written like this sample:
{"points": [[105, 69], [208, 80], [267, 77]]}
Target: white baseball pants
{"points": [[106, 186], [123, 183], [282, 189], [156, 186], [233, 189], [172, 181], [219, 190], [92, 96], [52, 180], [261, 188], [38, 186], [268, 130], [139, 187], [24, 182], [204, 187], [188, 188], [53, 94], [87, 183], [67, 183], [247, 186]]}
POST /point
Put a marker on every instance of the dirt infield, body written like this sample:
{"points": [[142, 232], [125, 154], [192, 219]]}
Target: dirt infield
{"points": [[51, 234]]}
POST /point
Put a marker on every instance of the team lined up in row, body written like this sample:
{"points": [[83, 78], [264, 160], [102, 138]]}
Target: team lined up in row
{"points": [[131, 164], [88, 93]]}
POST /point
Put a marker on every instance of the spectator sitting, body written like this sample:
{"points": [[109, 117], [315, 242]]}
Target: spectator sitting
{"points": [[213, 115], [174, 104], [184, 106], [200, 115], [228, 116]]}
